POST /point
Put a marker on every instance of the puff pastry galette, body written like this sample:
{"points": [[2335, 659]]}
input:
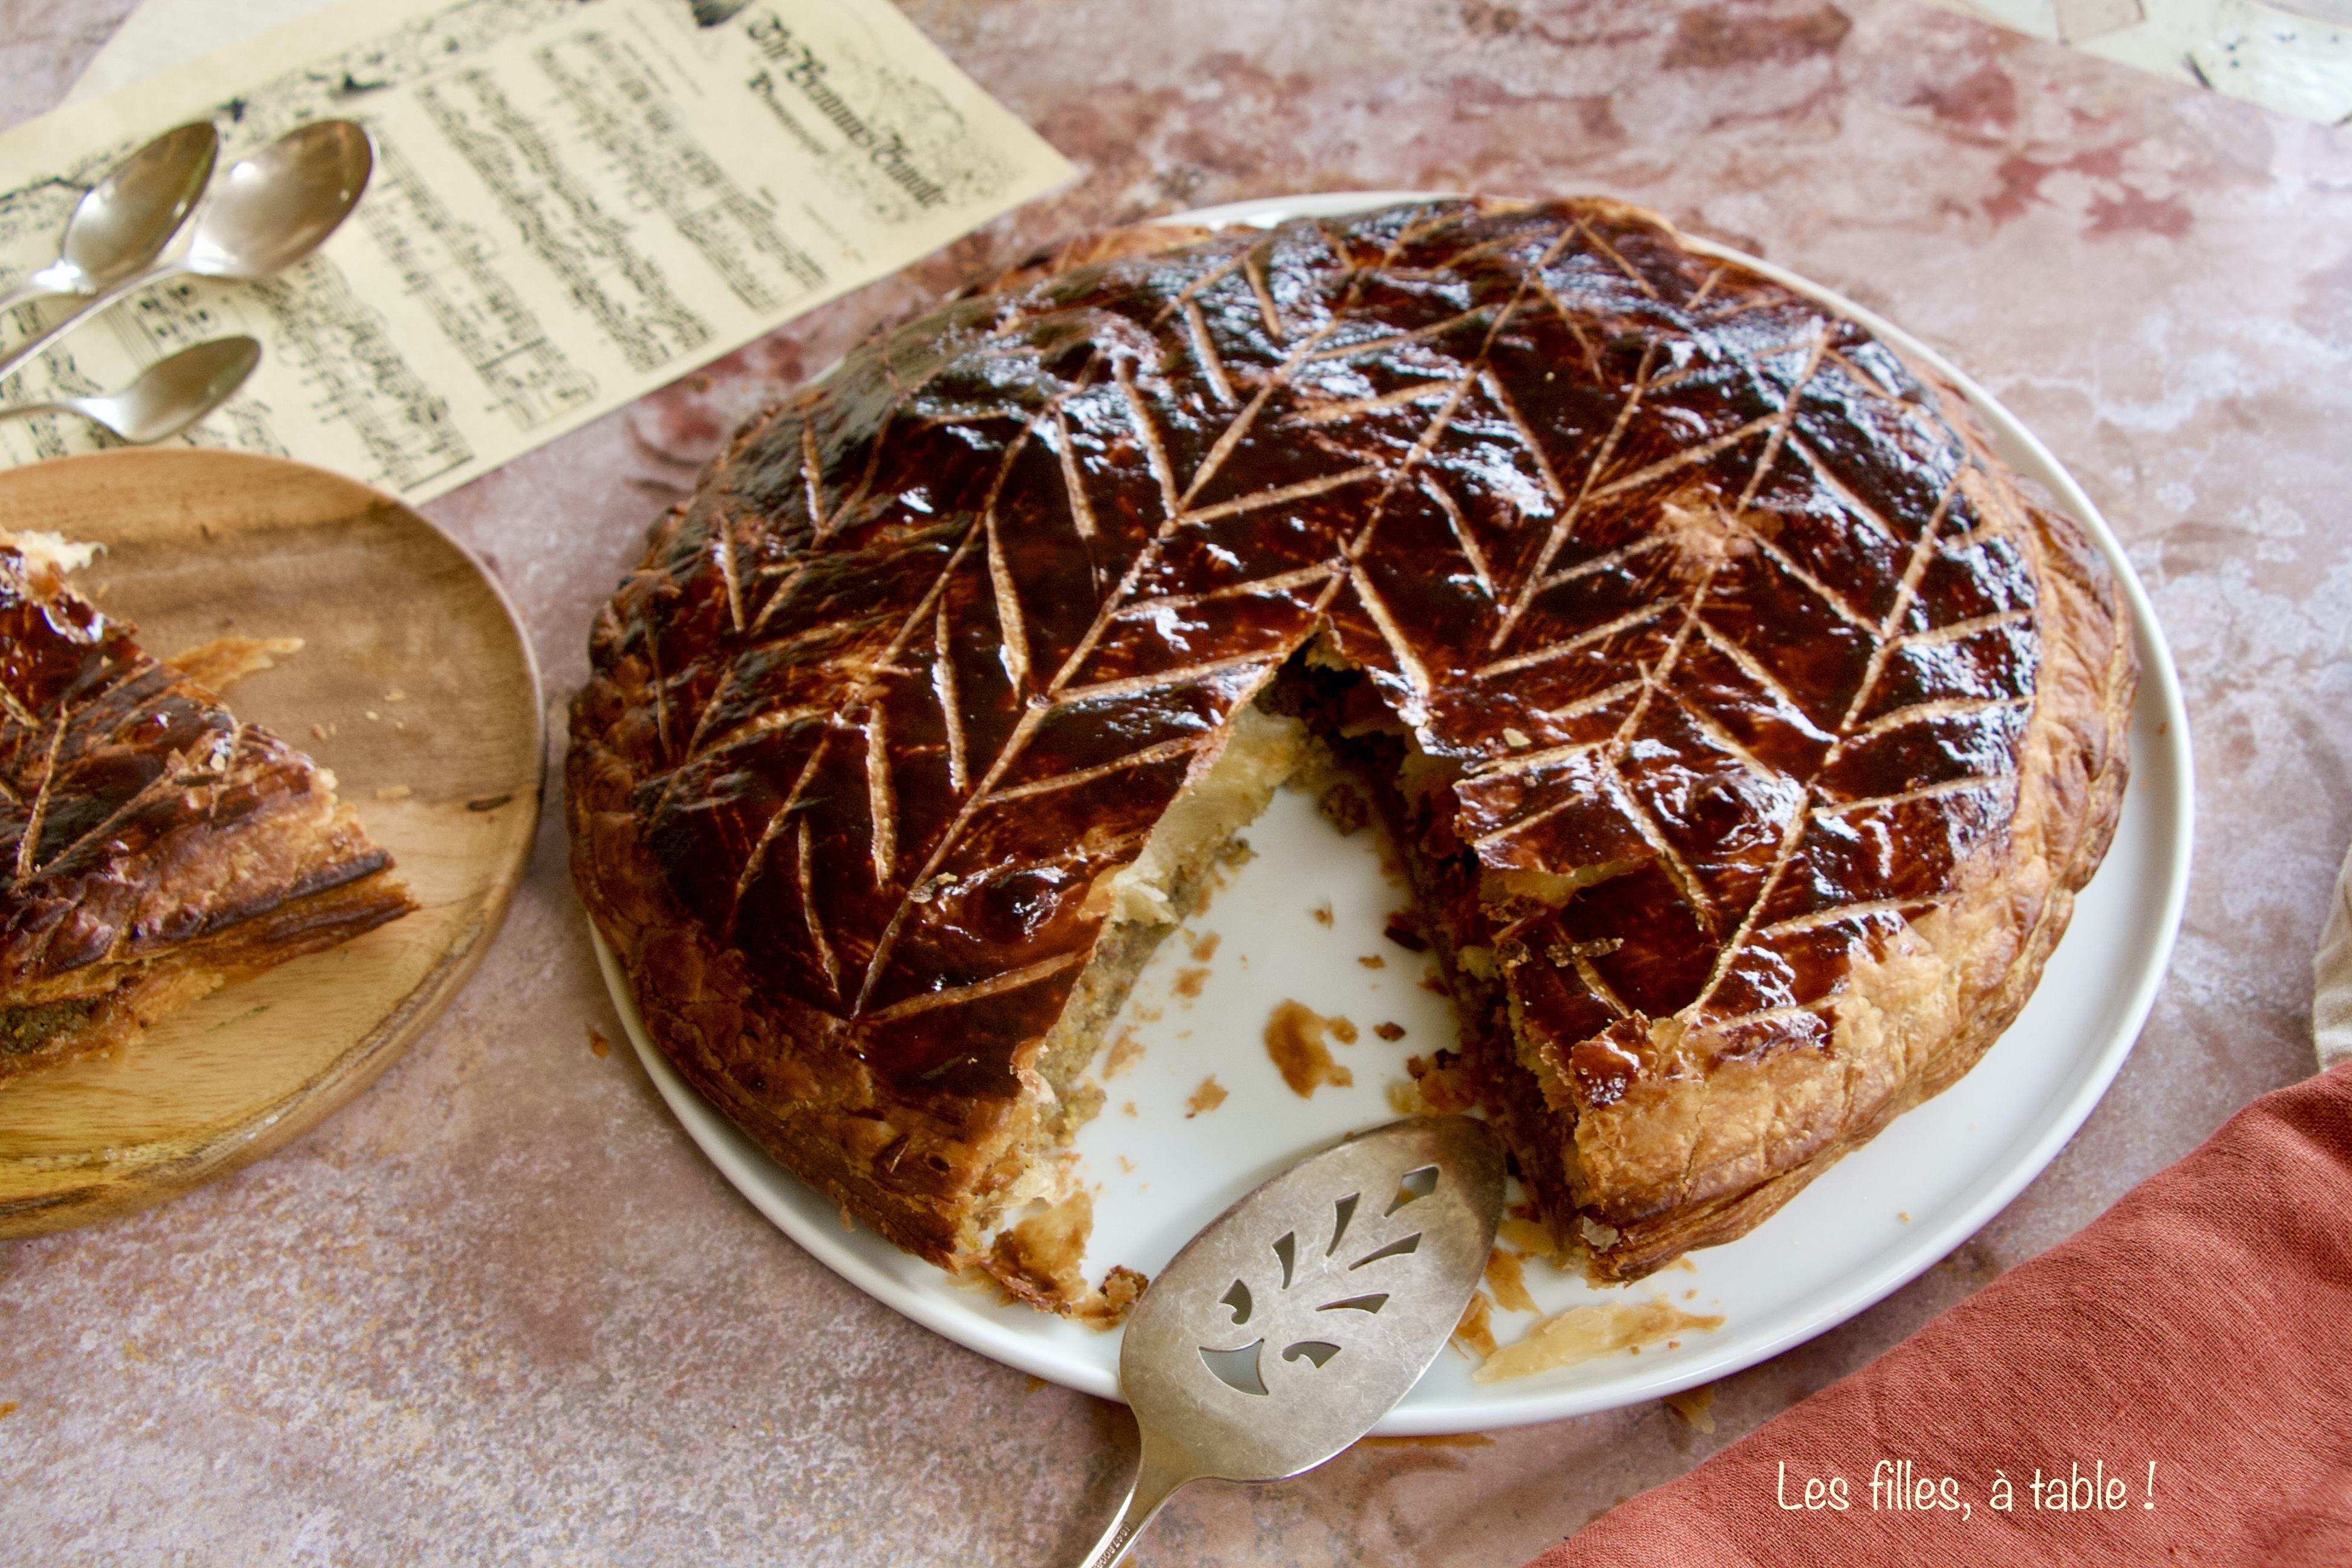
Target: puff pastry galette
{"points": [[1746, 732]]}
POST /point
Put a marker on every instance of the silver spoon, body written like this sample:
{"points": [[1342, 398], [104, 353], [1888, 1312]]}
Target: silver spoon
{"points": [[1287, 1328], [124, 222], [167, 397], [266, 213]]}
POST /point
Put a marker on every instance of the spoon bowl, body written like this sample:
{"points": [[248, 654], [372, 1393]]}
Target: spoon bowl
{"points": [[123, 223], [278, 206], [1285, 1329], [167, 397]]}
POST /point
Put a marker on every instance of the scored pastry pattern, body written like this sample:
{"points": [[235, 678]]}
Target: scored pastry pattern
{"points": [[105, 752], [1685, 576]]}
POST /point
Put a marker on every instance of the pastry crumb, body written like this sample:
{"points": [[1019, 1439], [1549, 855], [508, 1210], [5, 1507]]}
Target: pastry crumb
{"points": [[1041, 1260], [1404, 929], [1125, 1052], [1204, 946], [1322, 913], [224, 661], [1208, 1096], [1584, 1333], [1107, 1306], [1293, 1038], [1474, 1334], [1508, 1281], [1374, 961], [598, 1043], [1189, 983], [1694, 1406], [1388, 1031], [1039, 1255]]}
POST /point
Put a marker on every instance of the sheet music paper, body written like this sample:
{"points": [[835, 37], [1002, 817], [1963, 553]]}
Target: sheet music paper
{"points": [[574, 202]]}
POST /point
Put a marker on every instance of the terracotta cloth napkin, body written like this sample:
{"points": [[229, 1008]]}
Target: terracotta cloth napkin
{"points": [[2203, 1324]]}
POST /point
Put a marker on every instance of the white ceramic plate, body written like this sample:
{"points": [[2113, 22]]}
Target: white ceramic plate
{"points": [[1295, 923]]}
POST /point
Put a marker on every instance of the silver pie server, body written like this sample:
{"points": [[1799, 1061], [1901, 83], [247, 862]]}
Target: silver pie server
{"points": [[268, 211], [167, 397], [1287, 1328], [123, 223]]}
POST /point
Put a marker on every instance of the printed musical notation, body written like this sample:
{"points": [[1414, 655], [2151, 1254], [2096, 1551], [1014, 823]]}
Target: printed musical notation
{"points": [[451, 269], [355, 377], [574, 202], [623, 106], [587, 249]]}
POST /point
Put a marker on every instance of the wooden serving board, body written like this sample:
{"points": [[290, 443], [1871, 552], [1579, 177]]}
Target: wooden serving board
{"points": [[415, 685]]}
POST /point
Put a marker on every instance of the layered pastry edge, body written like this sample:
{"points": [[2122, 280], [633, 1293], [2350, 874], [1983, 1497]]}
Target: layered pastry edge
{"points": [[156, 904]]}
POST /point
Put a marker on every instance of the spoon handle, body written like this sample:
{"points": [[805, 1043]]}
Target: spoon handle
{"points": [[1155, 1482], [98, 302], [31, 288], [13, 409]]}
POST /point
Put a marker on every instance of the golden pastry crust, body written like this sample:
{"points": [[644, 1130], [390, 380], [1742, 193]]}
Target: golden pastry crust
{"points": [[1689, 1160], [153, 846], [1744, 696]]}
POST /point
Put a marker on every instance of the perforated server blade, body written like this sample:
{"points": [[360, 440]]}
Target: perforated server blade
{"points": [[1291, 1324]]}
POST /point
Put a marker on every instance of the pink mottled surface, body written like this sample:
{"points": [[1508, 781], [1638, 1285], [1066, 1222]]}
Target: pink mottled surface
{"points": [[499, 1311]]}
